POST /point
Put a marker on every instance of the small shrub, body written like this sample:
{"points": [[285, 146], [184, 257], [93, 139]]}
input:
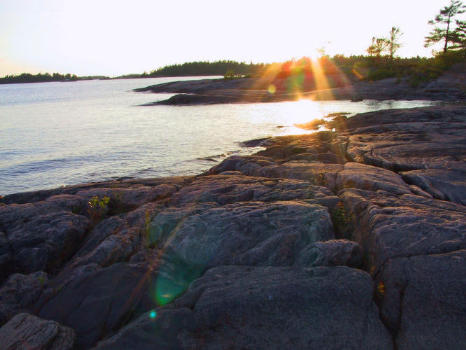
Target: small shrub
{"points": [[381, 288], [230, 74], [342, 221], [97, 208]]}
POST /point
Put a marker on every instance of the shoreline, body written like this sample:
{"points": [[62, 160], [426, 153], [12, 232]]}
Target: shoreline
{"points": [[335, 230], [449, 87]]}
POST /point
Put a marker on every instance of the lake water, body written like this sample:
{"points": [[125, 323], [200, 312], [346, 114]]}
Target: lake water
{"points": [[54, 134]]}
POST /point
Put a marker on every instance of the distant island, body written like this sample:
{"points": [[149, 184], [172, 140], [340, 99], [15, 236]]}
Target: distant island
{"points": [[44, 78]]}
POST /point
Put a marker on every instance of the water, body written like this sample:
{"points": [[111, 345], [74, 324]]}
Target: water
{"points": [[54, 134]]}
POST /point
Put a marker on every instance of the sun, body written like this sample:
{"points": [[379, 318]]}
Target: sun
{"points": [[315, 54]]}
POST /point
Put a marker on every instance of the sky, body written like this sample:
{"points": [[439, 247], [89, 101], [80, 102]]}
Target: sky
{"points": [[113, 37]]}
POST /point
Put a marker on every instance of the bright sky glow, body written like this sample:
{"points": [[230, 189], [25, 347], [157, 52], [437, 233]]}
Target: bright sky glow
{"points": [[113, 37]]}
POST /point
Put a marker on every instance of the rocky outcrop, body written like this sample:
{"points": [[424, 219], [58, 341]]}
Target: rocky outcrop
{"points": [[346, 239], [26, 331], [397, 218], [424, 300], [446, 184], [19, 293], [265, 308], [448, 87], [95, 301]]}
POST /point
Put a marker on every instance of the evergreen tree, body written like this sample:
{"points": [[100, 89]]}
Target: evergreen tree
{"points": [[378, 46], [445, 19], [393, 42], [459, 35]]}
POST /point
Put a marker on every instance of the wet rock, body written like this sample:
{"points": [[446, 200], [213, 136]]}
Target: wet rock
{"points": [[243, 307], [20, 292], [262, 142], [191, 99], [26, 331]]}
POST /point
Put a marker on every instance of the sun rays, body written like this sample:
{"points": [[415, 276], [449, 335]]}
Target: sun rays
{"points": [[305, 78]]}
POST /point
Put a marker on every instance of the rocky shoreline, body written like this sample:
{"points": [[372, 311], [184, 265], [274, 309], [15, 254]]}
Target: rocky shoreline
{"points": [[449, 87], [347, 239]]}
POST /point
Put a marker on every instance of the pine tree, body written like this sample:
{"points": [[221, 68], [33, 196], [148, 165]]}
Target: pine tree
{"points": [[444, 18], [378, 46], [393, 42], [459, 35]]}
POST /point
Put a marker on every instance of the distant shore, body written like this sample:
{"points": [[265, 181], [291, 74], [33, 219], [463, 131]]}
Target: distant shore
{"points": [[448, 87]]}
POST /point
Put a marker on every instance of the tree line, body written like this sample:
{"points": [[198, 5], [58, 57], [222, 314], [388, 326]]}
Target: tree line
{"points": [[207, 68], [41, 77], [381, 61], [44, 77]]}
